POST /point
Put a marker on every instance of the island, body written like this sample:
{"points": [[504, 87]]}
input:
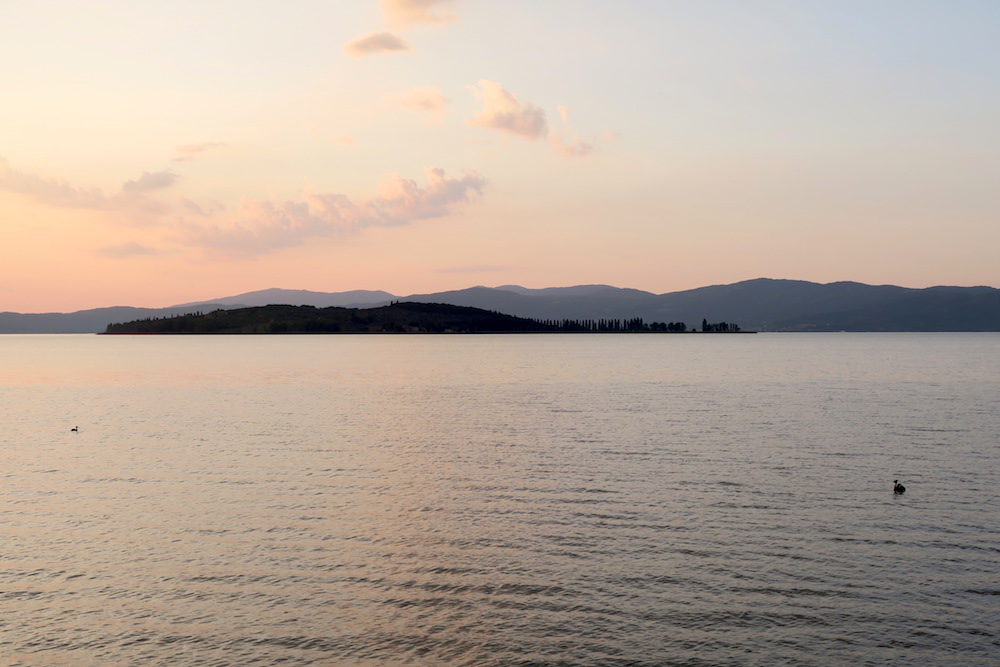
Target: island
{"points": [[399, 317]]}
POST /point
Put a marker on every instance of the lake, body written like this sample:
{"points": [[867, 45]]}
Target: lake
{"points": [[500, 500]]}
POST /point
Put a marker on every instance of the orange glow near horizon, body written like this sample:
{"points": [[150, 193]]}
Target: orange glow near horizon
{"points": [[660, 148]]}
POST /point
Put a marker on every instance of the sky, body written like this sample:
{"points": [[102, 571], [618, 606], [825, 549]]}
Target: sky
{"points": [[162, 152]]}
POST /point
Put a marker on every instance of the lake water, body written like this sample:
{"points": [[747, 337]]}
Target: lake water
{"points": [[500, 500]]}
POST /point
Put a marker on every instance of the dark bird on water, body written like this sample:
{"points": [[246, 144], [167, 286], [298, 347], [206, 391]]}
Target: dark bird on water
{"points": [[897, 487], [75, 429]]}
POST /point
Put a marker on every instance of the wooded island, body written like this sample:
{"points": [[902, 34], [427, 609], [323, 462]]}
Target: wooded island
{"points": [[398, 317]]}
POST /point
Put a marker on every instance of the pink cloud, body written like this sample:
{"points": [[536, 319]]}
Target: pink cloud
{"points": [[373, 43], [405, 13], [567, 142], [421, 100], [192, 151], [149, 181], [202, 210], [131, 249], [269, 226], [502, 111], [131, 200], [50, 191], [570, 147]]}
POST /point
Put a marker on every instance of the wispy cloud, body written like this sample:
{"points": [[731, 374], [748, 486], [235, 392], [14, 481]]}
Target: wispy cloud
{"points": [[427, 99], [202, 210], [402, 14], [192, 151], [373, 43], [132, 199], [566, 141], [503, 111], [150, 181], [570, 146], [126, 250], [50, 191], [399, 15], [269, 226]]}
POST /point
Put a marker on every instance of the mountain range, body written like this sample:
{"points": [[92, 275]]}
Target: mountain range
{"points": [[762, 304]]}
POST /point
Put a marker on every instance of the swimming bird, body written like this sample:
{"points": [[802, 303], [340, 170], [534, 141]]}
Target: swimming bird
{"points": [[75, 429], [897, 487]]}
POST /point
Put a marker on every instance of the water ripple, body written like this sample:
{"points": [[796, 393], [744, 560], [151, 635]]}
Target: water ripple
{"points": [[724, 506]]}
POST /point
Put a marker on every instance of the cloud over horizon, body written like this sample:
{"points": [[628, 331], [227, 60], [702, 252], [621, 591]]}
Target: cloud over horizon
{"points": [[374, 43], [502, 111], [270, 226]]}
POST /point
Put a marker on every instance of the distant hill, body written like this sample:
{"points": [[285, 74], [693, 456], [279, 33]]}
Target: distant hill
{"points": [[581, 302], [397, 318], [297, 297], [84, 321], [791, 305], [763, 304]]}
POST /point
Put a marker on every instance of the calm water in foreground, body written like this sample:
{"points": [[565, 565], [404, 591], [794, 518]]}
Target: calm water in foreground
{"points": [[500, 500]]}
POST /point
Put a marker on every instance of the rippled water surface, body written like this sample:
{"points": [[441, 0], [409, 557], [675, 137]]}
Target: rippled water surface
{"points": [[500, 500]]}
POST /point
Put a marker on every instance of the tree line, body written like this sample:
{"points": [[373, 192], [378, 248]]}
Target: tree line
{"points": [[633, 325], [720, 327]]}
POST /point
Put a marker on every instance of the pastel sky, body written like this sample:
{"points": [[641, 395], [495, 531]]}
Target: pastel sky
{"points": [[159, 152]]}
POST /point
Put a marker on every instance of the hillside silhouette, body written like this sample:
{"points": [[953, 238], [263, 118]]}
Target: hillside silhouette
{"points": [[396, 318], [762, 304]]}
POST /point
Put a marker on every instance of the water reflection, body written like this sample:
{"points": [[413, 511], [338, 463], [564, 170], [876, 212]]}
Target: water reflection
{"points": [[498, 500]]}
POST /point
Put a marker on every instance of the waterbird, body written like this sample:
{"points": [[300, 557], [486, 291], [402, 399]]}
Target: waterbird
{"points": [[75, 429], [897, 487]]}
